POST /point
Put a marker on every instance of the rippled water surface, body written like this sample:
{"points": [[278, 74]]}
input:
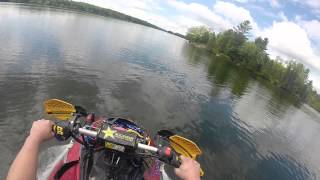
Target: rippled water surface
{"points": [[246, 129]]}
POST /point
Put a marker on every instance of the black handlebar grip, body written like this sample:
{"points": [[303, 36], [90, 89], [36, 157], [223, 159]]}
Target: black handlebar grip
{"points": [[175, 161], [61, 130], [169, 156]]}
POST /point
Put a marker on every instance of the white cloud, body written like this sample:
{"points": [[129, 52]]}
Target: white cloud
{"points": [[194, 13], [286, 39], [282, 16], [312, 27], [289, 40], [274, 3], [138, 8], [234, 14], [147, 10], [201, 13], [241, 1], [222, 16], [126, 5], [315, 81], [314, 4]]}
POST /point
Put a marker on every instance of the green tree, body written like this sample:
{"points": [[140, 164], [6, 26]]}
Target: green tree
{"points": [[296, 80], [199, 34], [229, 43], [261, 43], [211, 44], [243, 28], [234, 44], [314, 99], [251, 56]]}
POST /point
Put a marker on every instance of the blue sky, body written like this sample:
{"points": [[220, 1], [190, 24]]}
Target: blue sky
{"points": [[292, 26]]}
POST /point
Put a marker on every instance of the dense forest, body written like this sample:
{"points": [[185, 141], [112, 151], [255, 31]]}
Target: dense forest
{"points": [[234, 44], [84, 7]]}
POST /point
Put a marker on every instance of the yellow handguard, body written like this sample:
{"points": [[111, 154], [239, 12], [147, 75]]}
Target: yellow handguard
{"points": [[59, 109], [185, 147]]}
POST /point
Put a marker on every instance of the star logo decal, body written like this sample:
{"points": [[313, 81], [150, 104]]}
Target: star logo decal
{"points": [[108, 133]]}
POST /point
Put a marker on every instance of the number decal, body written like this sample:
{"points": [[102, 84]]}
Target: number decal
{"points": [[58, 130]]}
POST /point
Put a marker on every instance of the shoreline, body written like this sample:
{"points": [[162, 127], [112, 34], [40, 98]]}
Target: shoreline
{"points": [[102, 12], [259, 75]]}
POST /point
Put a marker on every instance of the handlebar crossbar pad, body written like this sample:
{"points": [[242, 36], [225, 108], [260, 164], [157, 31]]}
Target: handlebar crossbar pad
{"points": [[115, 136]]}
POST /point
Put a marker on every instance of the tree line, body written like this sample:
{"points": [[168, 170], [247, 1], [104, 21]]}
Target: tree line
{"points": [[235, 45], [88, 8]]}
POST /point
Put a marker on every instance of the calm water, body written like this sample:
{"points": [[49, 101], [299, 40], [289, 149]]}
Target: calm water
{"points": [[245, 129]]}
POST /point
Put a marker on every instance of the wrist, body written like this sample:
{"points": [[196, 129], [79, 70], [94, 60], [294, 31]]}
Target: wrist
{"points": [[192, 178], [33, 140]]}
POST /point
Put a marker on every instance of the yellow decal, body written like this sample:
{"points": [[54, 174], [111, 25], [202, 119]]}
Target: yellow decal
{"points": [[109, 145], [108, 133], [58, 130], [124, 137], [135, 132], [114, 146]]}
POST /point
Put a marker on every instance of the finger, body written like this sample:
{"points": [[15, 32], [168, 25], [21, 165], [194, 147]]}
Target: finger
{"points": [[197, 164], [183, 158]]}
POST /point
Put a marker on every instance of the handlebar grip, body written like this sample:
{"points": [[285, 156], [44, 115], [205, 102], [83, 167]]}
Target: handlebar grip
{"points": [[61, 130], [175, 161], [169, 156]]}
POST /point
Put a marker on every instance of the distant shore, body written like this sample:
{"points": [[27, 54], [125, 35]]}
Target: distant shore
{"points": [[234, 45], [91, 9]]}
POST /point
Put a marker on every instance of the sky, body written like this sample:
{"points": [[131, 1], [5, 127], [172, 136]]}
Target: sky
{"points": [[292, 26]]}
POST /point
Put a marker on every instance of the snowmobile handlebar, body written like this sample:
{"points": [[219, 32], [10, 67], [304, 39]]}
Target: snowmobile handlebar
{"points": [[95, 134], [108, 137], [63, 130], [165, 153]]}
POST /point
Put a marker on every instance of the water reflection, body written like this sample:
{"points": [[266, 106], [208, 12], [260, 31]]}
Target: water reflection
{"points": [[246, 129], [278, 167], [235, 150]]}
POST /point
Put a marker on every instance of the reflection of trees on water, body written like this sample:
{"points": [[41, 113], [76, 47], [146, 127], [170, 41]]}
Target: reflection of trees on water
{"points": [[223, 73], [229, 148], [220, 72], [278, 104], [193, 55], [278, 167], [240, 82]]}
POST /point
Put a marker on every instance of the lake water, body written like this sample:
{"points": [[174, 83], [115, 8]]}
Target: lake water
{"points": [[245, 129]]}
